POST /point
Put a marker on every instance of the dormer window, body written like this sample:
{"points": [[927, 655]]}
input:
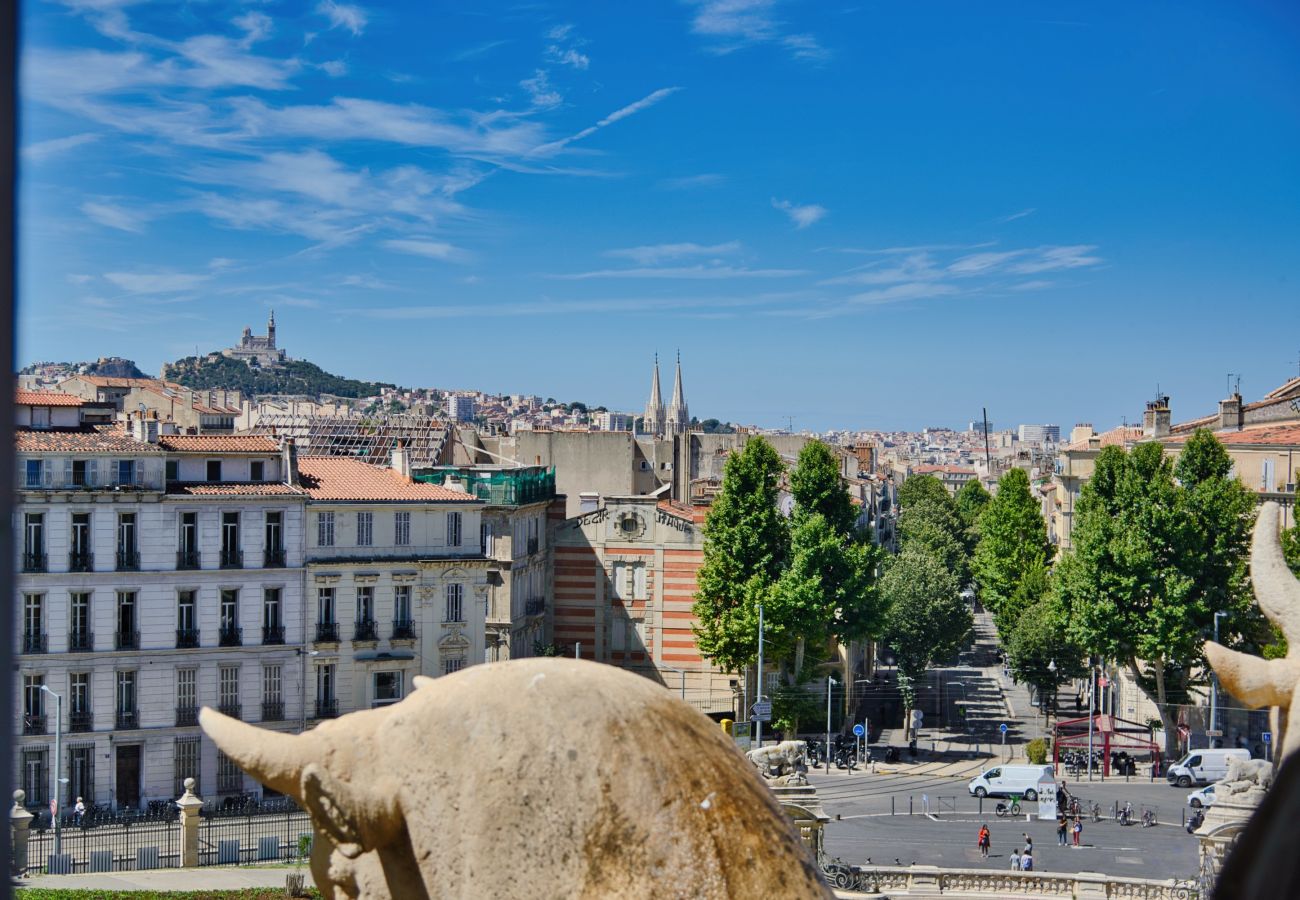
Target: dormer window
{"points": [[257, 470], [78, 472], [126, 471], [214, 470]]}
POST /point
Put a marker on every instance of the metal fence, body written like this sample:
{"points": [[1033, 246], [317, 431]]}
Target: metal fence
{"points": [[124, 847], [237, 840]]}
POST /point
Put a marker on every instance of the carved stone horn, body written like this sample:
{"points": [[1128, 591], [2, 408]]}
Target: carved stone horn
{"points": [[1276, 589], [274, 759]]}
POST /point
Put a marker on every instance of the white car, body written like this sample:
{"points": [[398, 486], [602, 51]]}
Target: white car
{"points": [[1203, 797]]}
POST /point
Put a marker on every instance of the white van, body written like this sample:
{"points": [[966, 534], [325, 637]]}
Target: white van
{"points": [[1203, 766], [1003, 781]]}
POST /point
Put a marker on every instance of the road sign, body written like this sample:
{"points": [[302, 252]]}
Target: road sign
{"points": [[1267, 737], [1003, 728], [763, 710], [858, 730]]}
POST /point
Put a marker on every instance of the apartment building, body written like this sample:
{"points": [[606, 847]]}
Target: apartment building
{"points": [[157, 574], [396, 582]]}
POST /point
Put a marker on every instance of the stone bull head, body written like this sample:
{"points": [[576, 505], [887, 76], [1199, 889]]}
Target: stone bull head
{"points": [[532, 778]]}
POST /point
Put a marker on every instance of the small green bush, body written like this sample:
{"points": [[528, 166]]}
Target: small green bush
{"points": [[1036, 750]]}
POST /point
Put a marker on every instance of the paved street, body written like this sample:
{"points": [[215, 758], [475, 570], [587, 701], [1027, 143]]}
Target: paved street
{"points": [[866, 828]]}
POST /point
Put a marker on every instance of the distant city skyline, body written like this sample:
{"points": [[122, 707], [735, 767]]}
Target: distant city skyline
{"points": [[861, 218]]}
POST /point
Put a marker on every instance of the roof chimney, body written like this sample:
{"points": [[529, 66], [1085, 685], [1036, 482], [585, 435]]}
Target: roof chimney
{"points": [[1157, 420], [289, 461], [1230, 412], [401, 461]]}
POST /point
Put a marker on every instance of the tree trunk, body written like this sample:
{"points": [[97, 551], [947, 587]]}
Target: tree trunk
{"points": [[1168, 720], [798, 659]]}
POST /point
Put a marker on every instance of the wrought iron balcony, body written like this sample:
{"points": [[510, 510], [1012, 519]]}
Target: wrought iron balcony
{"points": [[128, 560], [187, 638], [234, 710], [188, 559], [33, 724], [232, 558], [272, 634], [34, 642], [366, 630], [535, 607], [81, 641], [128, 718], [33, 562], [403, 630], [272, 710], [327, 709], [81, 561], [186, 716], [126, 640], [274, 559], [327, 632], [230, 636], [81, 720]]}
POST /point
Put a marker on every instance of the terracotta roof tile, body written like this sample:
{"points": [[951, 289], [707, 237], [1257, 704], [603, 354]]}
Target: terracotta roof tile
{"points": [[341, 478], [92, 441], [236, 489], [949, 470], [218, 443], [46, 398], [1284, 435], [106, 381], [1116, 437]]}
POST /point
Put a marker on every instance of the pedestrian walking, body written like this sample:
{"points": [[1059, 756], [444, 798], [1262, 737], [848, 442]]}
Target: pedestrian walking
{"points": [[79, 811], [1029, 844], [1078, 829], [1061, 827], [1026, 862], [1015, 860], [985, 841]]}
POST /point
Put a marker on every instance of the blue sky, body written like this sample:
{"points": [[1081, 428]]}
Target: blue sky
{"points": [[861, 215]]}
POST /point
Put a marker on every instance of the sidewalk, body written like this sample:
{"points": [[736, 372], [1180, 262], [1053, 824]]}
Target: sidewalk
{"points": [[207, 878]]}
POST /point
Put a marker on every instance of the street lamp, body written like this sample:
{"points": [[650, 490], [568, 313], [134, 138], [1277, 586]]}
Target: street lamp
{"points": [[664, 665], [830, 680], [1051, 668], [58, 763], [302, 682]]}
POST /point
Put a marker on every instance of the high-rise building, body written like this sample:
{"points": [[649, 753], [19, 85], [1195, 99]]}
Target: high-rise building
{"points": [[1040, 434], [461, 409]]}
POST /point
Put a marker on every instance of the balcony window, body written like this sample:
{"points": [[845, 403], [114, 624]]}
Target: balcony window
{"points": [[187, 697], [187, 629], [33, 704], [34, 473], [128, 635], [187, 553], [127, 703], [126, 471], [79, 473], [80, 558], [326, 702], [79, 715], [455, 603], [34, 542], [231, 555], [403, 627], [274, 542], [272, 624], [230, 634], [80, 637], [34, 623], [128, 553], [272, 694], [228, 691]]}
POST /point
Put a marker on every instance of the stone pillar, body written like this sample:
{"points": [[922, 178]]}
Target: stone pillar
{"points": [[20, 823], [189, 806]]}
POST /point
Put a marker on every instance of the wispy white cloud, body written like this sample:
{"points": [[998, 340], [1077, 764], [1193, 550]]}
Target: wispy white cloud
{"points": [[801, 215], [344, 15], [78, 278], [685, 272], [652, 254], [155, 283], [1016, 215], [686, 182], [1031, 285], [731, 25], [1051, 259], [430, 249], [367, 281], [549, 306], [564, 48], [540, 92], [43, 150], [901, 293], [477, 50], [631, 109], [113, 215], [978, 263]]}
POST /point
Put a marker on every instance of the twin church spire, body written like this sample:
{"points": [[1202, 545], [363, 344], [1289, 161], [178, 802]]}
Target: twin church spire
{"points": [[676, 419]]}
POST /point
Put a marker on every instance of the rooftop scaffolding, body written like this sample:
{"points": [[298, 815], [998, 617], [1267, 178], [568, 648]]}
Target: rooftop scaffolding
{"points": [[370, 438]]}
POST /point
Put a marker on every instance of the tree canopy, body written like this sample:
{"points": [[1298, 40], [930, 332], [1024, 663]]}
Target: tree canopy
{"points": [[294, 376], [916, 488], [817, 488], [927, 619], [1013, 539]]}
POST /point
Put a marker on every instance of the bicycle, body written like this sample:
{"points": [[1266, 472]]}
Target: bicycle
{"points": [[1002, 810], [1148, 818], [1096, 812]]}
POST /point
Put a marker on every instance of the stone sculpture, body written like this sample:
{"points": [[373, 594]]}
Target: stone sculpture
{"points": [[532, 778], [785, 757], [1268, 682]]}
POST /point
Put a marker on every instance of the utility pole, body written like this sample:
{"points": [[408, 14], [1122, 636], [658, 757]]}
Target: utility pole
{"points": [[988, 456], [758, 722], [1092, 693], [830, 680], [55, 806]]}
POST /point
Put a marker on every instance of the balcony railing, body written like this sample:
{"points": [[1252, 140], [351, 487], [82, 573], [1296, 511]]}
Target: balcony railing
{"points": [[272, 634], [33, 562], [187, 638], [230, 636], [81, 561], [232, 558], [327, 709], [34, 642], [535, 607], [128, 718], [274, 559], [33, 724], [81, 641], [234, 710], [126, 640], [366, 630], [272, 710], [186, 716], [327, 632], [81, 720], [188, 559], [403, 630], [128, 560]]}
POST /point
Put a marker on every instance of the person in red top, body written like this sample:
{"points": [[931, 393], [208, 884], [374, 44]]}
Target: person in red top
{"points": [[984, 841]]}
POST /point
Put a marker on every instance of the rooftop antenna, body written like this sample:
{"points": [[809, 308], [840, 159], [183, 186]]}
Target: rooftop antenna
{"points": [[988, 455], [1237, 389], [789, 424]]}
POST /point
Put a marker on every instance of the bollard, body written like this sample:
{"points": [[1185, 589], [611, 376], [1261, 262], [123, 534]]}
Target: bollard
{"points": [[891, 806], [981, 800], [909, 804], [20, 823]]}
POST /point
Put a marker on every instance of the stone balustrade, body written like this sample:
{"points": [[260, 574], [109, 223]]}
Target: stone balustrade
{"points": [[958, 884]]}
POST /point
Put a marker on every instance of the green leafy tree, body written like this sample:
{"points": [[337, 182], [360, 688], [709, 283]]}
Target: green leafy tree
{"points": [[970, 500], [1039, 641], [922, 487], [817, 488], [795, 704], [1154, 558], [1013, 538], [927, 620], [933, 526], [746, 546]]}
